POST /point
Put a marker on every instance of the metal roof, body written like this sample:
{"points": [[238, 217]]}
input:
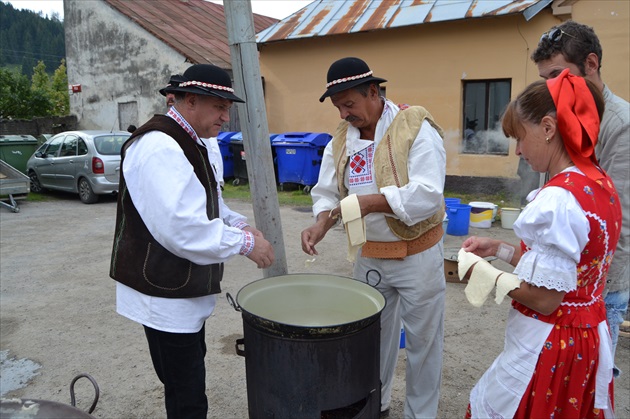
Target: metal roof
{"points": [[334, 17], [195, 28]]}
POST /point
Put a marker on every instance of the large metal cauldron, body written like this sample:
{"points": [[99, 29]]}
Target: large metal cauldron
{"points": [[311, 346]]}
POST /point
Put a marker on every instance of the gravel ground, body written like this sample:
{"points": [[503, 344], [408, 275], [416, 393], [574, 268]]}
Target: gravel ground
{"points": [[58, 318]]}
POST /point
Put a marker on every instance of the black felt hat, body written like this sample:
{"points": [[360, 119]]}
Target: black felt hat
{"points": [[346, 73], [174, 81], [206, 79]]}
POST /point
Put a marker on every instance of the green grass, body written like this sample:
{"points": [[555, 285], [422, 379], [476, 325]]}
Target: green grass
{"points": [[297, 197], [293, 195], [40, 197]]}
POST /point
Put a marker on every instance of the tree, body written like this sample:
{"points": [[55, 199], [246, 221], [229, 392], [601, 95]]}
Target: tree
{"points": [[41, 100], [40, 79], [42, 96], [15, 95], [59, 91]]}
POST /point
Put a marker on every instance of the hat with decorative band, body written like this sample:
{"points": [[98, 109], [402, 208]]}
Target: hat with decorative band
{"points": [[175, 80], [347, 73], [206, 79]]}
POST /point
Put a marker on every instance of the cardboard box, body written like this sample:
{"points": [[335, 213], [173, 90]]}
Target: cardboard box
{"points": [[450, 271]]}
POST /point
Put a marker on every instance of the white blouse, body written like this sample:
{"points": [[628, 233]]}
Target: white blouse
{"points": [[555, 228]]}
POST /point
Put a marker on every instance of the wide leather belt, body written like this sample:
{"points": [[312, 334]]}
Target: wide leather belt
{"points": [[403, 248]]}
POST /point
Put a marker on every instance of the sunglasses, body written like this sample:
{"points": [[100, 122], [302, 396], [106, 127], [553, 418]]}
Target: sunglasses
{"points": [[555, 35]]}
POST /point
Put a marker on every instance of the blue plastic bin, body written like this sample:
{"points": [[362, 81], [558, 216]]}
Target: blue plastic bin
{"points": [[227, 153], [458, 219], [299, 156], [452, 201]]}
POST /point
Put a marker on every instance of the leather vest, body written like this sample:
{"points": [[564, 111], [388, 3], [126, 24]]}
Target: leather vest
{"points": [[390, 163], [138, 260]]}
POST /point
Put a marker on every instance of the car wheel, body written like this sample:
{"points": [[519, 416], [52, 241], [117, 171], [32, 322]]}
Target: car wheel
{"points": [[36, 186], [86, 193]]}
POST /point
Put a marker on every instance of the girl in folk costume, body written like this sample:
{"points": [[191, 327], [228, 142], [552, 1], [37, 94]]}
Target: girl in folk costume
{"points": [[557, 359]]}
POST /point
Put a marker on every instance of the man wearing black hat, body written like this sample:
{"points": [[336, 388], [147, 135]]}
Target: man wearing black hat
{"points": [[211, 143], [174, 232], [383, 173]]}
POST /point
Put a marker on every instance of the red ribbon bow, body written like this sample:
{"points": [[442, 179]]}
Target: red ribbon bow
{"points": [[578, 120]]}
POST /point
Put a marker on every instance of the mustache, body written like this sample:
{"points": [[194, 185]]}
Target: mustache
{"points": [[351, 119]]}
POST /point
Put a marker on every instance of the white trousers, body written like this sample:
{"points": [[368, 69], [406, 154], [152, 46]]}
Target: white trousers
{"points": [[414, 289]]}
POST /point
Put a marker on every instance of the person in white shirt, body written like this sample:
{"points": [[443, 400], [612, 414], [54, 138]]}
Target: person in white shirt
{"points": [[399, 196], [174, 232]]}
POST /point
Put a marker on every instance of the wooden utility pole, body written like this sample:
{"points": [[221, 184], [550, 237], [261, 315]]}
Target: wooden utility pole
{"points": [[253, 117]]}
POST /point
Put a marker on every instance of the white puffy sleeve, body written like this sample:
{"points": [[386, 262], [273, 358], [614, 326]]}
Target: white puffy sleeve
{"points": [[556, 230]]}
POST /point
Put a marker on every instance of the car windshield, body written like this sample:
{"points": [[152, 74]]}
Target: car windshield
{"points": [[110, 144]]}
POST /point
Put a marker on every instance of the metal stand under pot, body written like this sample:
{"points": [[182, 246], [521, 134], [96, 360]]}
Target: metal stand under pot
{"points": [[311, 346]]}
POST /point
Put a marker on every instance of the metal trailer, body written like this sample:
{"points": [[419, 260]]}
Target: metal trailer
{"points": [[14, 185]]}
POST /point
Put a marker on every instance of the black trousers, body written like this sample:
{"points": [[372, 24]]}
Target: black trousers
{"points": [[178, 359]]}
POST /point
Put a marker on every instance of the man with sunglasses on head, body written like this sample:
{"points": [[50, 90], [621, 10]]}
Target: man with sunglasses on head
{"points": [[576, 47]]}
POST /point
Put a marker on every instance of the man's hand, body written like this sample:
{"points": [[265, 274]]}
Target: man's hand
{"points": [[311, 236], [263, 254], [315, 233]]}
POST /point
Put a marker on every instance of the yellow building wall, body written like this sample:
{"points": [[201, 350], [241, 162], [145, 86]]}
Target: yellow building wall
{"points": [[426, 65]]}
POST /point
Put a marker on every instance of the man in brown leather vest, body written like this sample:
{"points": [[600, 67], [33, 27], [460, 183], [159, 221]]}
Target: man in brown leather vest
{"points": [[392, 163], [173, 233]]}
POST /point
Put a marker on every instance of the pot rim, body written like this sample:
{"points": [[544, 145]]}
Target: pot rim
{"points": [[262, 286]]}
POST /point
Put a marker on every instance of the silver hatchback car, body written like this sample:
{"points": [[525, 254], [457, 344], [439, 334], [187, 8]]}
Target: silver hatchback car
{"points": [[83, 162]]}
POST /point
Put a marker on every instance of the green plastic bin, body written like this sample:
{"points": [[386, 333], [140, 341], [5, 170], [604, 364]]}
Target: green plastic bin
{"points": [[15, 150]]}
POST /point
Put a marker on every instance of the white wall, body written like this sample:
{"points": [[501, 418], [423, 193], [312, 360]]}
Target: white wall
{"points": [[115, 61]]}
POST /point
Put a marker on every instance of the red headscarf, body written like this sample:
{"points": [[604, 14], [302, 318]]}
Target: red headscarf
{"points": [[578, 120]]}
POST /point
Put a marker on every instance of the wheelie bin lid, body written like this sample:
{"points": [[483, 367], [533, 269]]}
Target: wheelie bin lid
{"points": [[225, 136], [314, 139], [18, 139], [238, 137]]}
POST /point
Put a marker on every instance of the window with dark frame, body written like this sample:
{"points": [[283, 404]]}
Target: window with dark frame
{"points": [[484, 104]]}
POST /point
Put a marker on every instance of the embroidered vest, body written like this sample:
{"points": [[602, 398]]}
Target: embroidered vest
{"points": [[584, 307], [138, 260], [390, 163]]}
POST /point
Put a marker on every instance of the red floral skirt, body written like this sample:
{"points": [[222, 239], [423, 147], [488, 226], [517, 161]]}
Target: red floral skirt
{"points": [[563, 384]]}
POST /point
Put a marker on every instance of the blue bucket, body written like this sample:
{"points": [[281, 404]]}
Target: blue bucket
{"points": [[449, 201], [458, 219]]}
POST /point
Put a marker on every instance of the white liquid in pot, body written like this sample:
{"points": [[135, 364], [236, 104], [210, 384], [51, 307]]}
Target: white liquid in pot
{"points": [[311, 300]]}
